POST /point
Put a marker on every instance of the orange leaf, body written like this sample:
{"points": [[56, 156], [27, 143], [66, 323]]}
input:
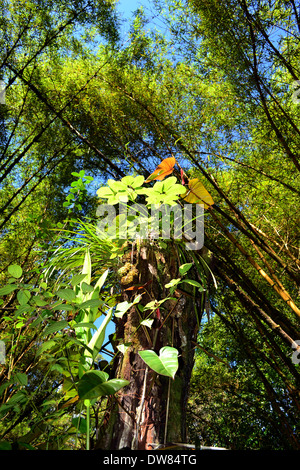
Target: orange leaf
{"points": [[164, 169], [197, 193], [139, 287]]}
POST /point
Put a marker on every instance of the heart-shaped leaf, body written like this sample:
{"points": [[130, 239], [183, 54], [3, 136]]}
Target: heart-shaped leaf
{"points": [[196, 193], [164, 364], [164, 169]]}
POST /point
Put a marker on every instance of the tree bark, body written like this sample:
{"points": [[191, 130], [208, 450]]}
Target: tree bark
{"points": [[151, 410]]}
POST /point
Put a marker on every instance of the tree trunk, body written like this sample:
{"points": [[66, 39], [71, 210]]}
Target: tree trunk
{"points": [[151, 410]]}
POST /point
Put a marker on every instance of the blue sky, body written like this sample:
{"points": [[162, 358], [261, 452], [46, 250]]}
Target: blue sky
{"points": [[127, 7]]}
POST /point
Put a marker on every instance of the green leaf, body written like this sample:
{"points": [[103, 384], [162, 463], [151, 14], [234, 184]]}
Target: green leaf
{"points": [[39, 301], [184, 268], [85, 325], [164, 364], [4, 445], [193, 283], [104, 192], [138, 181], [97, 340], [54, 327], [94, 384], [63, 307], [22, 309], [92, 303], [147, 322], [81, 344], [15, 270], [58, 368], [77, 279], [80, 424], [128, 180], [20, 378], [86, 288], [23, 297], [121, 308], [173, 283], [66, 294], [45, 346], [8, 289], [123, 347], [87, 267]]}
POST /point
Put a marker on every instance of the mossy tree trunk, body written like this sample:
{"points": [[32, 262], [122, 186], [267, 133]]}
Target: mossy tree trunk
{"points": [[151, 410]]}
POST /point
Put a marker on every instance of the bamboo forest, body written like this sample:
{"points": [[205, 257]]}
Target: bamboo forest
{"points": [[149, 246]]}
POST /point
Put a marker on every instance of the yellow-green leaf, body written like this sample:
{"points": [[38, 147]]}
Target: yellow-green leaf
{"points": [[196, 193]]}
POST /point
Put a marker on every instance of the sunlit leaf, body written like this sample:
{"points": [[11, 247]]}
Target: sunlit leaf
{"points": [[122, 308], [123, 347], [196, 193], [164, 169], [15, 270], [77, 279], [164, 364], [97, 340], [147, 322]]}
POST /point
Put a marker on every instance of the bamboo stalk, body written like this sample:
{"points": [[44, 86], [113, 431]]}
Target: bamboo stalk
{"points": [[281, 292]]}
